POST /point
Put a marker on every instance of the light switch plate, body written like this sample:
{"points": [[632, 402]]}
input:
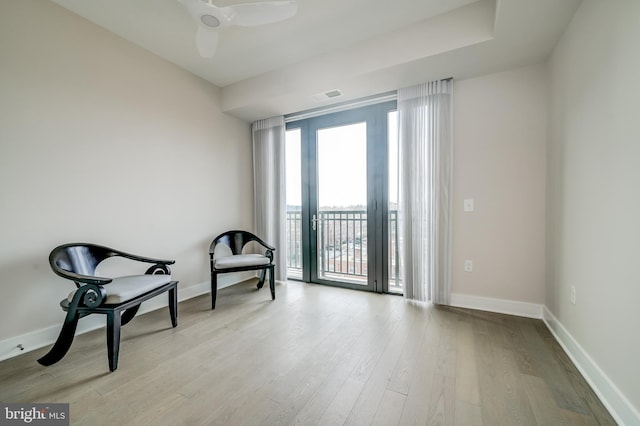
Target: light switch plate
{"points": [[468, 204]]}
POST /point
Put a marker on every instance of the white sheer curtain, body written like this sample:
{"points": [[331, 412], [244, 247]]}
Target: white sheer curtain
{"points": [[269, 188], [424, 210]]}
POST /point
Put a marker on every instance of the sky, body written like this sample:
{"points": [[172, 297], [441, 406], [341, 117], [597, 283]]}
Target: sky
{"points": [[342, 166]]}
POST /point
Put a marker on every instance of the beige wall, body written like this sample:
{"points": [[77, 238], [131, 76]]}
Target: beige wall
{"points": [[499, 161], [101, 141], [594, 187]]}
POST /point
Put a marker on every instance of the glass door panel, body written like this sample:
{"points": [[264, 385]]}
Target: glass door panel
{"points": [[395, 285], [293, 170], [340, 222]]}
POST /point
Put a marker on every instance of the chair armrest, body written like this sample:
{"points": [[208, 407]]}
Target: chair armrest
{"points": [[87, 279], [269, 253], [265, 245], [270, 248], [237, 240], [92, 296], [143, 259]]}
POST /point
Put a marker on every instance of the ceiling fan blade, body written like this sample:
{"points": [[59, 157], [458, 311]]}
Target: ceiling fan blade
{"points": [[206, 40], [209, 18], [254, 14]]}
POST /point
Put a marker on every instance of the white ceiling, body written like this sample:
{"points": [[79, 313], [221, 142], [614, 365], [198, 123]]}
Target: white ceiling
{"points": [[361, 47]]}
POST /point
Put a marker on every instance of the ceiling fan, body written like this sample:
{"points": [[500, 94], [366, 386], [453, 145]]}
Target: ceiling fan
{"points": [[210, 18]]}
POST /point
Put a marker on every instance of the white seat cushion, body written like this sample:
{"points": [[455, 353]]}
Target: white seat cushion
{"points": [[126, 288], [241, 260]]}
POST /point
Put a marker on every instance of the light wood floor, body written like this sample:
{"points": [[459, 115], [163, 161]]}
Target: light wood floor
{"points": [[316, 355]]}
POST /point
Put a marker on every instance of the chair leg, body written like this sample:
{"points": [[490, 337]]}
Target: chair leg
{"points": [[173, 306], [214, 289], [113, 338], [263, 275], [128, 315], [65, 338], [272, 283]]}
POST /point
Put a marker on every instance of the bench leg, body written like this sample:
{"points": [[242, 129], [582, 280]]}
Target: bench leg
{"points": [[214, 289], [173, 306], [113, 338], [65, 338], [272, 282]]}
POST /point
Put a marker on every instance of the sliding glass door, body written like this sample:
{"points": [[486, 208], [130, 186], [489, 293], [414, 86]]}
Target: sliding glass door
{"points": [[338, 198]]}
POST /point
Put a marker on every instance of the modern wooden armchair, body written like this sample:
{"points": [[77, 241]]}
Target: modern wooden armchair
{"points": [[237, 261], [117, 298]]}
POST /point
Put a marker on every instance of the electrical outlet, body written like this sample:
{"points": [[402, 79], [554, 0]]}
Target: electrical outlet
{"points": [[572, 295], [468, 265]]}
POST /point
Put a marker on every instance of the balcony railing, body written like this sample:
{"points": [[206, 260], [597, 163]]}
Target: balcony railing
{"points": [[294, 244], [342, 246]]}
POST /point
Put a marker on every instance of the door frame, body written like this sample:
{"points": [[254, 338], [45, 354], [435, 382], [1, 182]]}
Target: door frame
{"points": [[376, 117]]}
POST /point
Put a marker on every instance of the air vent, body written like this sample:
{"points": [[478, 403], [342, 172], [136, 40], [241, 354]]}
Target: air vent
{"points": [[319, 97]]}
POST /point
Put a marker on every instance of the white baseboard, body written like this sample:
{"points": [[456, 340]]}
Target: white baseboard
{"points": [[501, 306], [614, 400], [44, 337]]}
